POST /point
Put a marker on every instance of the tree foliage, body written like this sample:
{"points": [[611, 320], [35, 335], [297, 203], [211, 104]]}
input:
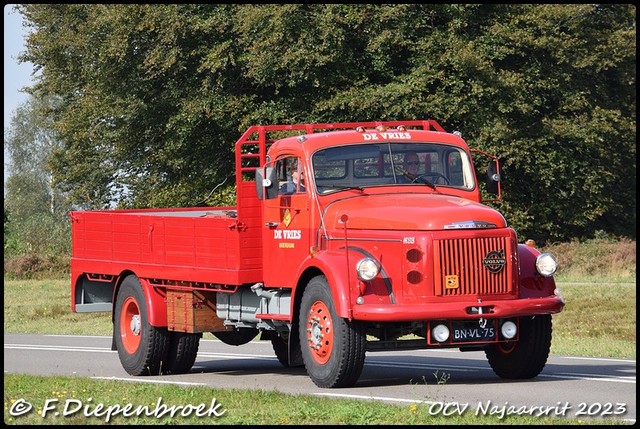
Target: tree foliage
{"points": [[29, 141], [153, 97], [35, 214]]}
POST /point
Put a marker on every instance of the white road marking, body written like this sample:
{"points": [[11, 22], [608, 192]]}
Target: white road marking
{"points": [[370, 363]]}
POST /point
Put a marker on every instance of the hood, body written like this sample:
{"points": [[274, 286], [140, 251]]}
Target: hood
{"points": [[425, 212]]}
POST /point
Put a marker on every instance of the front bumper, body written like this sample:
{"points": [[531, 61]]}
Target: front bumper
{"points": [[457, 310]]}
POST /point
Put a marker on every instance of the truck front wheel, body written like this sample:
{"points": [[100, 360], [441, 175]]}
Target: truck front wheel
{"points": [[142, 348], [526, 358], [333, 349]]}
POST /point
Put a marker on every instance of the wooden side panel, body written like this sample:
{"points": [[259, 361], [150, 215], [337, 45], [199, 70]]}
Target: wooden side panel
{"points": [[193, 311]]}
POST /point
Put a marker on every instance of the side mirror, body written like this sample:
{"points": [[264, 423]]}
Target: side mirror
{"points": [[267, 187], [493, 177]]}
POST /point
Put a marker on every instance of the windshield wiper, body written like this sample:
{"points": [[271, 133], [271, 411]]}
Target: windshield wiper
{"points": [[341, 187], [418, 178], [424, 180]]}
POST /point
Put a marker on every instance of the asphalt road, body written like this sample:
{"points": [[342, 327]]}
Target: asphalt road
{"points": [[447, 381]]}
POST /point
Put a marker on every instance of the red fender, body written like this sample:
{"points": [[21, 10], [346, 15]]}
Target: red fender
{"points": [[532, 284], [156, 304], [333, 265]]}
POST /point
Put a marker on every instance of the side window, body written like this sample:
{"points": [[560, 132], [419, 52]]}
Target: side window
{"points": [[290, 176]]}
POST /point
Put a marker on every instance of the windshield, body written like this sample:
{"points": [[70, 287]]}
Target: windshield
{"points": [[362, 165]]}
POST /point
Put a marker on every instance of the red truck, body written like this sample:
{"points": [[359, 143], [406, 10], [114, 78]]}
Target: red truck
{"points": [[345, 238]]}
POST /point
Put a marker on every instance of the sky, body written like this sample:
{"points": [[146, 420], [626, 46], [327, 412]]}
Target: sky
{"points": [[16, 75]]}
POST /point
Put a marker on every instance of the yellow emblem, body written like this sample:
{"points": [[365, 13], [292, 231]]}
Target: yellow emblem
{"points": [[451, 282], [286, 217]]}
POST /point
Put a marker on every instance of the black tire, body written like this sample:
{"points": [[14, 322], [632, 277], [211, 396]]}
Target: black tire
{"points": [[281, 349], [238, 337], [286, 346], [142, 348], [333, 349], [183, 349], [526, 358]]}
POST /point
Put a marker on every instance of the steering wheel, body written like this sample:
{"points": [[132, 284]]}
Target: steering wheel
{"points": [[426, 176]]}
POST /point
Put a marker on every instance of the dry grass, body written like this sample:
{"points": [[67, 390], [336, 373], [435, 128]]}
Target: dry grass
{"points": [[36, 267], [596, 260]]}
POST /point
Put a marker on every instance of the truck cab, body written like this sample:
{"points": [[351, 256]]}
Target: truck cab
{"points": [[392, 220]]}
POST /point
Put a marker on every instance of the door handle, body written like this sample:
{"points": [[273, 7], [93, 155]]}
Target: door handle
{"points": [[271, 224]]}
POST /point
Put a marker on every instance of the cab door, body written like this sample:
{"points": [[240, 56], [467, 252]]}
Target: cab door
{"points": [[286, 234]]}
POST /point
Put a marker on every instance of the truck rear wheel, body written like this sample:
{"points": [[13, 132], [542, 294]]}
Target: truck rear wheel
{"points": [[526, 358], [142, 348], [281, 349], [183, 349], [281, 346], [333, 349]]}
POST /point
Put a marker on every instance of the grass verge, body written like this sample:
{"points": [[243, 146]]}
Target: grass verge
{"points": [[84, 401]]}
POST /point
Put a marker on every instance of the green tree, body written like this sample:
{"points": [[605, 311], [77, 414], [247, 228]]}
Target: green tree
{"points": [[35, 213], [154, 96], [29, 141]]}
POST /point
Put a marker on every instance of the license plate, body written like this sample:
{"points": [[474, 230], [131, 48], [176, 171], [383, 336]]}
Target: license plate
{"points": [[471, 331]]}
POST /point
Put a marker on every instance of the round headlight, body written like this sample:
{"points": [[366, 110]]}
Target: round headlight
{"points": [[367, 269], [546, 264]]}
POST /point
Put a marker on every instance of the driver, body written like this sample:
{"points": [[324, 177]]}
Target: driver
{"points": [[411, 166]]}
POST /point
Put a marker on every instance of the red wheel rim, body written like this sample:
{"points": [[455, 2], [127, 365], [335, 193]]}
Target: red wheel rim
{"points": [[130, 325], [320, 332]]}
